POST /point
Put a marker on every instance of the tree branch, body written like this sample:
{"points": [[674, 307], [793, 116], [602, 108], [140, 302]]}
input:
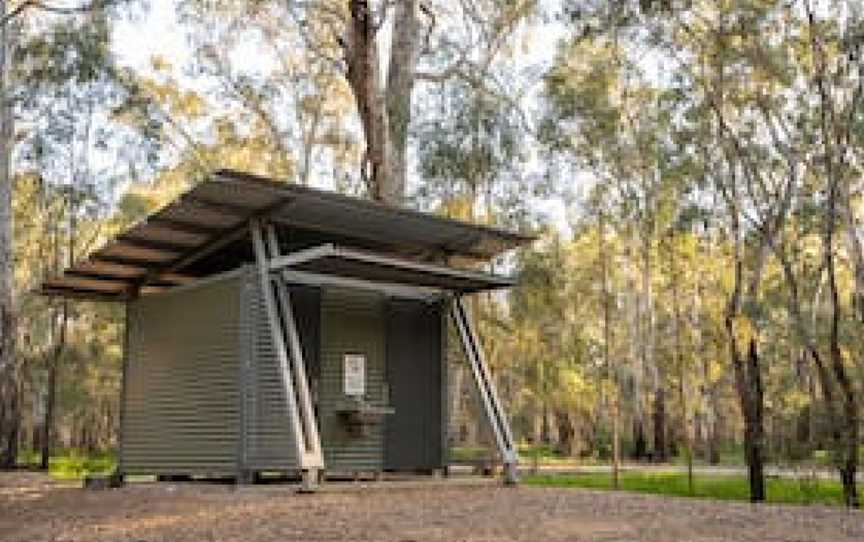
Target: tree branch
{"points": [[58, 10]]}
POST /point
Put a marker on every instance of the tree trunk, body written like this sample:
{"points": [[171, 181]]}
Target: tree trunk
{"points": [[635, 320], [660, 445], [843, 423], [48, 420], [640, 446], [679, 357], [404, 52], [9, 403], [748, 376], [853, 246], [616, 442], [748, 382], [835, 178], [611, 373], [567, 444], [649, 361], [364, 78], [757, 430], [51, 395], [385, 111], [708, 397], [715, 429], [848, 444]]}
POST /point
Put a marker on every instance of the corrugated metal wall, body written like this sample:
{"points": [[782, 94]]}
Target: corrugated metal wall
{"points": [[269, 440], [182, 395], [191, 352], [352, 321]]}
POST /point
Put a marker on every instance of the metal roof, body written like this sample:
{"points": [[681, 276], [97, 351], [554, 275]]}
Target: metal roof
{"points": [[205, 230]]}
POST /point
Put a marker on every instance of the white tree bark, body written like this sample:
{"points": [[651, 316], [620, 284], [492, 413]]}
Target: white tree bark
{"points": [[404, 53], [385, 109], [8, 366]]}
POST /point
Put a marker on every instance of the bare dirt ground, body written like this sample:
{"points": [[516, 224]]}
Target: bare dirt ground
{"points": [[34, 509]]}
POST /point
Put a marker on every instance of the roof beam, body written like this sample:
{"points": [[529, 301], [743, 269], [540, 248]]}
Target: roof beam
{"points": [[185, 227], [126, 260], [85, 284], [167, 278], [225, 239], [97, 267], [220, 238], [94, 275], [165, 246], [87, 295]]}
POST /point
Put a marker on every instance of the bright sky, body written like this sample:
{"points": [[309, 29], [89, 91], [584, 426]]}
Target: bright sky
{"points": [[157, 32]]}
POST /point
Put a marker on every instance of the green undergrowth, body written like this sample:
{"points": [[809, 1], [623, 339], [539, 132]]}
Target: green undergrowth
{"points": [[73, 464], [726, 488]]}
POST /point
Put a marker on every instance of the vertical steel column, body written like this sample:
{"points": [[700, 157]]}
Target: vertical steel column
{"points": [[486, 388], [298, 365], [308, 460]]}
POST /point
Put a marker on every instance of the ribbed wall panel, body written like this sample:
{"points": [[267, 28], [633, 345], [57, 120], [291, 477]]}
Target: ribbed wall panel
{"points": [[269, 438], [182, 399], [192, 352], [352, 321]]}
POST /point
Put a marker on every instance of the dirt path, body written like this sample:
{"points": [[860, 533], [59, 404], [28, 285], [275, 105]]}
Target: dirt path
{"points": [[395, 512]]}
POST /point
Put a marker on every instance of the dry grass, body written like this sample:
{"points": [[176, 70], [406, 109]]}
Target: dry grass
{"points": [[395, 512]]}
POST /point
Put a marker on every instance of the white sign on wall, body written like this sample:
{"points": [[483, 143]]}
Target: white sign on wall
{"points": [[354, 371]]}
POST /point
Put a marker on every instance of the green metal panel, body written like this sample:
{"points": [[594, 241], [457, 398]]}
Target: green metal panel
{"points": [[269, 442], [269, 439], [414, 371], [181, 401], [352, 321], [202, 371]]}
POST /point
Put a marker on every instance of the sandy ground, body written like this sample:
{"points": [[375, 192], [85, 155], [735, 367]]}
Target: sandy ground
{"points": [[34, 509]]}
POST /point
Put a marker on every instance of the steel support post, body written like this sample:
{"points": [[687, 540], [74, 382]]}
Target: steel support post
{"points": [[298, 401], [486, 389], [312, 437]]}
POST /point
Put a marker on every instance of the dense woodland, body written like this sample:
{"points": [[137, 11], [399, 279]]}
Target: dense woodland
{"points": [[702, 298]]}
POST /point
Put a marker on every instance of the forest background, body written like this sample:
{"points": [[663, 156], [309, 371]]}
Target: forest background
{"points": [[693, 170]]}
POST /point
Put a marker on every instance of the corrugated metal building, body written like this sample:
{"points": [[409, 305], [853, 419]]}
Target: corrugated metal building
{"points": [[273, 327]]}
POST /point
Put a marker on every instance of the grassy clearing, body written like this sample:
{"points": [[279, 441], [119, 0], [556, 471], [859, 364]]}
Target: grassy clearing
{"points": [[72, 464], [727, 488]]}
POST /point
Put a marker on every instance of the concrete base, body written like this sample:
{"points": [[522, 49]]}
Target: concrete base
{"points": [[246, 477], [97, 481], [511, 474], [308, 481]]}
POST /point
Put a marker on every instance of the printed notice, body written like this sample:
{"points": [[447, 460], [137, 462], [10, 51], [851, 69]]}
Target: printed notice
{"points": [[355, 374]]}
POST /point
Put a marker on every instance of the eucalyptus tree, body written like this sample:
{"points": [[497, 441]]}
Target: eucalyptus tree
{"points": [[376, 52], [64, 72], [836, 69], [707, 49], [471, 149], [752, 71], [610, 116], [57, 78], [8, 364]]}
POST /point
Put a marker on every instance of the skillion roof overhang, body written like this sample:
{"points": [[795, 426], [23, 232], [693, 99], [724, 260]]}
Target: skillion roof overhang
{"points": [[206, 231]]}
